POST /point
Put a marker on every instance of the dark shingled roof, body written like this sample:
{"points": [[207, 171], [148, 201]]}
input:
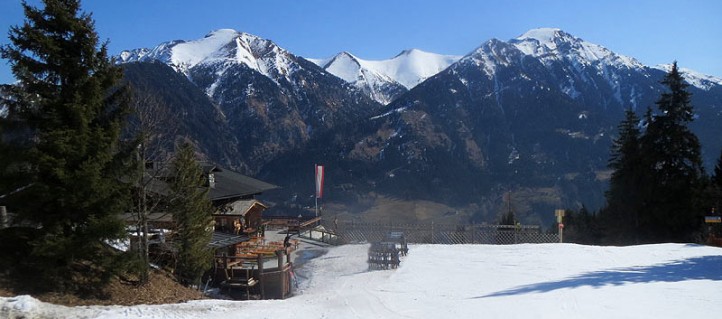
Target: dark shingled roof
{"points": [[229, 184]]}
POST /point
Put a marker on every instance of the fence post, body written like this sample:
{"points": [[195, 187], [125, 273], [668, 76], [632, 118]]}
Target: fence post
{"points": [[473, 230], [432, 231]]}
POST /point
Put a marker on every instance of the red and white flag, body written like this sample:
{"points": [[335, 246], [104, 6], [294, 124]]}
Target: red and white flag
{"points": [[319, 181]]}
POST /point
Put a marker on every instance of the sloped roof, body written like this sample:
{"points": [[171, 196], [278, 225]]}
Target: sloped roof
{"points": [[229, 184], [241, 207], [220, 239]]}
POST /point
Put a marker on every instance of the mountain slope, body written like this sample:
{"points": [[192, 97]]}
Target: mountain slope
{"points": [[195, 117], [274, 101], [535, 115]]}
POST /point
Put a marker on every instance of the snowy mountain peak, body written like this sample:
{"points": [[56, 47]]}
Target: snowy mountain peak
{"points": [[346, 54], [574, 64], [549, 44], [220, 49], [405, 52], [228, 33], [132, 55], [413, 66], [546, 36], [383, 80], [343, 57], [577, 68], [407, 69], [344, 65], [410, 52]]}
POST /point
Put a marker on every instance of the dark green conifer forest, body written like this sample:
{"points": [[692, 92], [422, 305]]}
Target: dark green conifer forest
{"points": [[63, 123], [69, 161], [659, 191]]}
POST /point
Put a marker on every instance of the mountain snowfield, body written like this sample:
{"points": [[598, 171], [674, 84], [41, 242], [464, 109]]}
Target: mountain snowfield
{"points": [[408, 69], [548, 44], [694, 78], [224, 46], [466, 281], [577, 65], [220, 49]]}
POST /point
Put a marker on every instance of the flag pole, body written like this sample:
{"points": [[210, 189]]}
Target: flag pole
{"points": [[319, 184]]}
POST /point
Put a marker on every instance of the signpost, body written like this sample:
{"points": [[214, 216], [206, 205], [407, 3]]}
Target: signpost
{"points": [[713, 218]]}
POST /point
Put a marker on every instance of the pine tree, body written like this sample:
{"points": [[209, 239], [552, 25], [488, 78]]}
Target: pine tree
{"points": [[581, 227], [67, 111], [191, 210], [508, 218], [717, 177], [716, 186], [624, 194], [625, 148], [672, 167]]}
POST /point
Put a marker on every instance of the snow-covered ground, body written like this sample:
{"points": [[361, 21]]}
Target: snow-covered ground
{"points": [[467, 281]]}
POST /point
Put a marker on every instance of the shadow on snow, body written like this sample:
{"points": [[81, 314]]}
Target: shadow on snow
{"points": [[699, 268]]}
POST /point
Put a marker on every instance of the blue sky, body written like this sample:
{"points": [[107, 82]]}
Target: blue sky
{"points": [[653, 31]]}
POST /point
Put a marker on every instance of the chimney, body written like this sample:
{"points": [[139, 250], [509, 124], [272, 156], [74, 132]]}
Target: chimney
{"points": [[211, 180], [3, 217]]}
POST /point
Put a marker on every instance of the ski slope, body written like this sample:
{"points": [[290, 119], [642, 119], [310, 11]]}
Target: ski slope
{"points": [[466, 281]]}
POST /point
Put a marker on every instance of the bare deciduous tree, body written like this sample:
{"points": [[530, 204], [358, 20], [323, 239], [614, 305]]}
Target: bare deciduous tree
{"points": [[154, 127]]}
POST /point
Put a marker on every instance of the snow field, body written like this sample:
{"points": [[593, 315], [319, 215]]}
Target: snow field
{"points": [[467, 281]]}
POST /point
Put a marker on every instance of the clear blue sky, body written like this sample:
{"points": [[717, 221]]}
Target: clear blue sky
{"points": [[653, 31]]}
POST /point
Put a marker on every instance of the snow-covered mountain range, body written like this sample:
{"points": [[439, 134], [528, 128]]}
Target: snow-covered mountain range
{"points": [[577, 66], [536, 112], [381, 80], [272, 101], [384, 80]]}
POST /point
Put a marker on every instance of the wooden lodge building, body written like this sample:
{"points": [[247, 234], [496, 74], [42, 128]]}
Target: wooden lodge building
{"points": [[233, 197], [245, 265]]}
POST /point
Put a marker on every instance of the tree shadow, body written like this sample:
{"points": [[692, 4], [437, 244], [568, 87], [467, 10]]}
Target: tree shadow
{"points": [[698, 268]]}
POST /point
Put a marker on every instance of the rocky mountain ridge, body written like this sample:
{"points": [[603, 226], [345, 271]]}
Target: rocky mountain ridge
{"points": [[535, 115], [274, 101]]}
